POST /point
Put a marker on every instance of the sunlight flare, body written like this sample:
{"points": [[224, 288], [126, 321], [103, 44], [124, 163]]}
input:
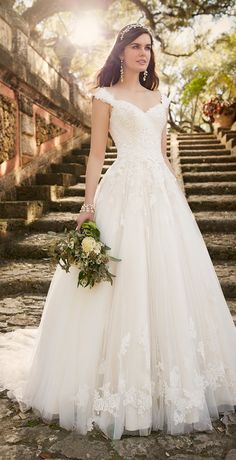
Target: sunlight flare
{"points": [[86, 31]]}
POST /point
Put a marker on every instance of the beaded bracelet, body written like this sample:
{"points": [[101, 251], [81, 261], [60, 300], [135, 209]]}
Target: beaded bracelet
{"points": [[87, 208]]}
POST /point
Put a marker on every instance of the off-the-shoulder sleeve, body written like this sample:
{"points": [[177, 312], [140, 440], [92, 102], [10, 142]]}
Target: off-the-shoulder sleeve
{"points": [[104, 95], [165, 100]]}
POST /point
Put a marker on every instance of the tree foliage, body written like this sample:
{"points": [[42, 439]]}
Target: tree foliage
{"points": [[189, 65], [160, 15], [210, 73]]}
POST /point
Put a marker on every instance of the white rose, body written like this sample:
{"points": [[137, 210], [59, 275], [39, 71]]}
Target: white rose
{"points": [[88, 244]]}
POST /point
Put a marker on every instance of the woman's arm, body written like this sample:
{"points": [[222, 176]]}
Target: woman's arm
{"points": [[99, 134], [164, 148]]}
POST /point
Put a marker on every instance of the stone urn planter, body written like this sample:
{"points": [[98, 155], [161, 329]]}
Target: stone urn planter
{"points": [[220, 112], [226, 118]]}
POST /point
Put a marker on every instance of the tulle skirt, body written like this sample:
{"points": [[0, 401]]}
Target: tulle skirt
{"points": [[153, 351]]}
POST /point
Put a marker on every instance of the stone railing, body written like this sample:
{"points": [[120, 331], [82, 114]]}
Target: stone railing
{"points": [[40, 109]]}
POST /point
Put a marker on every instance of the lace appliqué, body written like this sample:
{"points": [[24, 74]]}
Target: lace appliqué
{"points": [[163, 389]]}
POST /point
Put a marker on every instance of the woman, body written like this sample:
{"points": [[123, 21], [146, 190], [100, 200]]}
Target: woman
{"points": [[155, 350]]}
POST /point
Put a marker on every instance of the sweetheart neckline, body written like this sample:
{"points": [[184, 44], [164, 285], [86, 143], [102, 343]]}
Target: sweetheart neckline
{"points": [[134, 105]]}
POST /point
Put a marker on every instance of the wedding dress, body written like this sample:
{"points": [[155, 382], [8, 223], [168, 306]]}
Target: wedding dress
{"points": [[155, 350]]}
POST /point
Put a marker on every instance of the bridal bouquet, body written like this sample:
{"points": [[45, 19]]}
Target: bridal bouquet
{"points": [[84, 250]]}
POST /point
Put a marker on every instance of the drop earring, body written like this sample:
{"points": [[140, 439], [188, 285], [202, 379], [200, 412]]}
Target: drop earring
{"points": [[145, 73], [121, 71]]}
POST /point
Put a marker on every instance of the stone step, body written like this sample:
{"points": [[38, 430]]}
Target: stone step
{"points": [[68, 168], [74, 158], [75, 151], [197, 146], [85, 146], [111, 155], [29, 245], [226, 272], [194, 152], [207, 159], [26, 310], [230, 135], [225, 130], [75, 190], [39, 192], [55, 222], [112, 148], [28, 210], [20, 311], [105, 168], [55, 179], [12, 225], [214, 221], [232, 306], [108, 161], [209, 188], [19, 277], [209, 176], [201, 142], [221, 246], [82, 178], [231, 166], [194, 136], [67, 204], [212, 202]]}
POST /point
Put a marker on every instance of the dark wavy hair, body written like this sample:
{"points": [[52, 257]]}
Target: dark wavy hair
{"points": [[109, 74]]}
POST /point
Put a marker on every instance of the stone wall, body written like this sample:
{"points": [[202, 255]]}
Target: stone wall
{"points": [[41, 110]]}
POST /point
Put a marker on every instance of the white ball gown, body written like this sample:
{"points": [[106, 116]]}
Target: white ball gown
{"points": [[155, 350]]}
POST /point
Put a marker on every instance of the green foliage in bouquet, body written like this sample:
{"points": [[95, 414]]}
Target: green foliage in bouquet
{"points": [[84, 250]]}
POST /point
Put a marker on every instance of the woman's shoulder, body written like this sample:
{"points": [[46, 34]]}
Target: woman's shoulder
{"points": [[102, 93]]}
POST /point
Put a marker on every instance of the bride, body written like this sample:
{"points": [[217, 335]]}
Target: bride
{"points": [[156, 349]]}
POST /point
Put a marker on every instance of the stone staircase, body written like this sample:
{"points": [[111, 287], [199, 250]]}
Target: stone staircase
{"points": [[209, 175], [46, 193], [52, 203]]}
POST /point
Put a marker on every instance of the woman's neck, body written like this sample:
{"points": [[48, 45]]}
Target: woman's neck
{"points": [[131, 81]]}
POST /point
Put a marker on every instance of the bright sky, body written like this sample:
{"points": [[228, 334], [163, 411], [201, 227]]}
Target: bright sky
{"points": [[86, 30], [216, 26], [204, 24]]}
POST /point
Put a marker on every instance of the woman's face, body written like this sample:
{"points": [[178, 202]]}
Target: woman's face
{"points": [[137, 54]]}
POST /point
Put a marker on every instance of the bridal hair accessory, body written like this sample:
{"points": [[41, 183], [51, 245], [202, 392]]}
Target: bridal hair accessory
{"points": [[129, 27], [121, 71], [85, 251], [145, 73]]}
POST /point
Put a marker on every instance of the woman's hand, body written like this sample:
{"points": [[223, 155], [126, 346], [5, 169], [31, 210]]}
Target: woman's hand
{"points": [[82, 217]]}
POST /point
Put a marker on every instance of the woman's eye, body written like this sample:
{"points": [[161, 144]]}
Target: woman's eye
{"points": [[147, 47]]}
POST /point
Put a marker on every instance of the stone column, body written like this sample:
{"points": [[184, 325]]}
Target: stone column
{"points": [[28, 148]]}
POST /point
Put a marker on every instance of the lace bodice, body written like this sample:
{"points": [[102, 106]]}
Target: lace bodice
{"points": [[135, 132]]}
